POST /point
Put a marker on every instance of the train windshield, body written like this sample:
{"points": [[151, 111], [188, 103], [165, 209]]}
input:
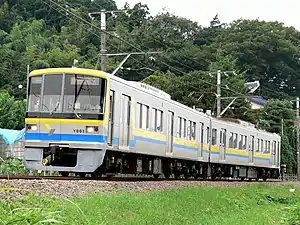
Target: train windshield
{"points": [[71, 93]]}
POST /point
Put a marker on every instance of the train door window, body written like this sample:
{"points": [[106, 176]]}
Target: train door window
{"points": [[207, 135], [184, 128], [268, 148], [188, 132], [245, 142], [252, 144], [202, 132], [241, 142], [179, 127], [111, 116], [193, 131], [274, 148], [261, 145], [145, 117], [258, 145], [231, 140], [139, 113], [223, 142], [158, 126], [214, 136]]}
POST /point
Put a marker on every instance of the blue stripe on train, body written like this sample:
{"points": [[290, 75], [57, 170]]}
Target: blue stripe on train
{"points": [[102, 139], [65, 137]]}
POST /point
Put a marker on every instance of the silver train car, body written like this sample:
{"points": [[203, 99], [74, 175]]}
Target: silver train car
{"points": [[89, 122]]}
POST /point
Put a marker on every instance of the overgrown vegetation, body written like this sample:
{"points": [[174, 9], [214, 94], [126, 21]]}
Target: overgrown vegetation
{"points": [[254, 204], [13, 166]]}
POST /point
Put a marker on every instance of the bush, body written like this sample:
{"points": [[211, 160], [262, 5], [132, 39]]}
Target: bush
{"points": [[13, 166]]}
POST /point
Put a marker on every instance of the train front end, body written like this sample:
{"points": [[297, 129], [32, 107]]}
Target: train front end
{"points": [[66, 120]]}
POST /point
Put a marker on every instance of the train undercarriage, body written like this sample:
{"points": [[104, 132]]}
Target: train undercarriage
{"points": [[137, 164]]}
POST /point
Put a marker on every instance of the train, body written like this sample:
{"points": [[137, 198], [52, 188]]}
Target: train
{"points": [[89, 122]]}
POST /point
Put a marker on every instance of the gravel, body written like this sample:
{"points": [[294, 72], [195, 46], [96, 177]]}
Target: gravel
{"points": [[65, 188]]}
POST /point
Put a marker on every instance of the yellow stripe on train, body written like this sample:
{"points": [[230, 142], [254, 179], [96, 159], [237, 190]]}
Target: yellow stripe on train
{"points": [[149, 134], [65, 121]]}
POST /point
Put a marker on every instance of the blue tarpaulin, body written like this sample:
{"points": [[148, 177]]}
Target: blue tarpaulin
{"points": [[12, 136]]}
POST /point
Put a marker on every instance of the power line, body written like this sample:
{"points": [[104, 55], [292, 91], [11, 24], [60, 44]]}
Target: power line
{"points": [[166, 64]]}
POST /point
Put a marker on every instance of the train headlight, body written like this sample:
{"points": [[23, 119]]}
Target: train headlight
{"points": [[92, 129], [32, 127]]}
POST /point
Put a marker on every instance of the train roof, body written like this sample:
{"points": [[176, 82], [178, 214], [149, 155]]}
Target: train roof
{"points": [[155, 92]]}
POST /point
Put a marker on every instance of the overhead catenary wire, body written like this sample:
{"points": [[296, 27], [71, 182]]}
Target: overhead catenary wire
{"points": [[139, 49]]}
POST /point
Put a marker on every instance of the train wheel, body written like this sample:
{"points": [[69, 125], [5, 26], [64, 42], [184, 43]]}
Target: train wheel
{"points": [[64, 174], [82, 175], [176, 175], [167, 175], [96, 175], [156, 176]]}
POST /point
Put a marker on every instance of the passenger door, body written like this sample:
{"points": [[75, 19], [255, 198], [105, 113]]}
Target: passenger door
{"points": [[125, 121], [274, 153], [200, 141], [111, 118], [222, 144], [170, 132], [251, 149]]}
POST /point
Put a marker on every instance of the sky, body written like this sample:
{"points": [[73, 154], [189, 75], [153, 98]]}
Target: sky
{"points": [[287, 11]]}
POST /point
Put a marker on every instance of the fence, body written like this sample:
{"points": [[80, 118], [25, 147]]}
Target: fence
{"points": [[15, 150], [290, 177]]}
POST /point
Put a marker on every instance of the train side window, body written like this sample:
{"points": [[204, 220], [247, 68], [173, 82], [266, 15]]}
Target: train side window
{"points": [[214, 136], [191, 129], [157, 124], [143, 116], [258, 145], [231, 140]]}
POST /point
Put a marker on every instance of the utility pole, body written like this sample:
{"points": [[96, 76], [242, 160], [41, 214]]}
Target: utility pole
{"points": [[298, 141], [103, 49], [103, 40], [218, 93]]}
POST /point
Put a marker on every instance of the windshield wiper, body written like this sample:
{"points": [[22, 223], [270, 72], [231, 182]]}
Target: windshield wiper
{"points": [[77, 94], [54, 108]]}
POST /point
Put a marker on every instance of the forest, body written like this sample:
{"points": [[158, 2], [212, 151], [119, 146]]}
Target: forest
{"points": [[47, 33]]}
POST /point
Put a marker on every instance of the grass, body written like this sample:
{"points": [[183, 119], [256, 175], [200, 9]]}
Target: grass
{"points": [[253, 204]]}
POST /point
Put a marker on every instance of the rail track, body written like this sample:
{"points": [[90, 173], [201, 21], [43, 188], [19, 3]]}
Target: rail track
{"points": [[119, 179]]}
